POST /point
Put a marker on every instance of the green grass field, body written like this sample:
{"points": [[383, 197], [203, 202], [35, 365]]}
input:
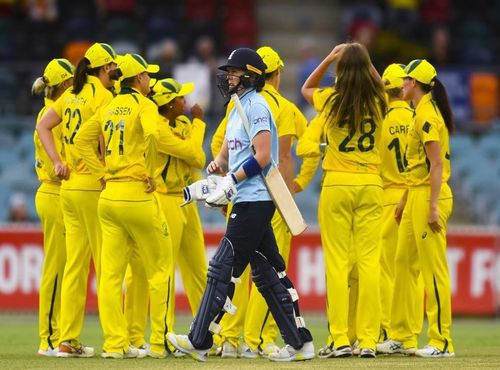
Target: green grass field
{"points": [[477, 345]]}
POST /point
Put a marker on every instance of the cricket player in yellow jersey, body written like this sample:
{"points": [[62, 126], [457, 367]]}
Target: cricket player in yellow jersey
{"points": [[180, 168], [180, 153], [395, 128], [57, 77], [423, 213], [350, 205], [129, 213], [253, 316], [81, 189]]}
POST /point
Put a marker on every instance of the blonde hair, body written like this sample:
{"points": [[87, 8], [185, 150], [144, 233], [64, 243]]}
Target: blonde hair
{"points": [[40, 87]]}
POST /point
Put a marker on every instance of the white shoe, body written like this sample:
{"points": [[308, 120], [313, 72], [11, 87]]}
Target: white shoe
{"points": [[433, 352], [342, 351], [355, 348], [288, 353], [367, 353], [326, 351], [178, 354], [390, 347], [74, 349], [228, 350], [268, 349], [244, 351], [132, 352], [51, 352], [183, 344]]}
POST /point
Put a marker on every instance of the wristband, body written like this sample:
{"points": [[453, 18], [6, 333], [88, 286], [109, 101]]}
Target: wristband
{"points": [[251, 167]]}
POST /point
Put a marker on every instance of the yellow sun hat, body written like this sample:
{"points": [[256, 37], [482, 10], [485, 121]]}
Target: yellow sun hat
{"points": [[168, 89], [271, 58]]}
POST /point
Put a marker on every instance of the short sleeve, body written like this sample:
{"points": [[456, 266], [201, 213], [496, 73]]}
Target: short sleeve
{"points": [[259, 119], [320, 96], [430, 131], [58, 105]]}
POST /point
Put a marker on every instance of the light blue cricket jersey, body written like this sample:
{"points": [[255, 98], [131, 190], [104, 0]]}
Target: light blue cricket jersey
{"points": [[239, 144]]}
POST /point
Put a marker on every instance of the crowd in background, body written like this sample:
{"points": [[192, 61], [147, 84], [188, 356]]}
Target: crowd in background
{"points": [[189, 38]]}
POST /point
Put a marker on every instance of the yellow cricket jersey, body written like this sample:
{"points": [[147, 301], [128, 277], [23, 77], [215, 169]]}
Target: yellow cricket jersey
{"points": [[75, 111], [393, 141], [428, 126], [358, 153], [180, 154], [129, 124], [309, 164], [43, 164], [281, 109]]}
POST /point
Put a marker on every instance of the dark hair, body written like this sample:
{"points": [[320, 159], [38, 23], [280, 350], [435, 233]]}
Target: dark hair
{"points": [[81, 73], [127, 82], [115, 74], [358, 91], [440, 96], [271, 74], [163, 109], [395, 92]]}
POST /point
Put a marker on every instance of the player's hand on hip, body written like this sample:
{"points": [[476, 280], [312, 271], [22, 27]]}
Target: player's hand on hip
{"points": [[150, 185], [398, 212], [61, 170], [433, 220]]}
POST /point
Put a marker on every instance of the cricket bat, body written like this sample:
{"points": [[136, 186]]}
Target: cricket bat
{"points": [[276, 186]]}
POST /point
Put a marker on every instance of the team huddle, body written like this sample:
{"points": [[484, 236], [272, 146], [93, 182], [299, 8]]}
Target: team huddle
{"points": [[121, 167]]}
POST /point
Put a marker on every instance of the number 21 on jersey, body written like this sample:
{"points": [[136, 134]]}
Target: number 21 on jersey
{"points": [[113, 139]]}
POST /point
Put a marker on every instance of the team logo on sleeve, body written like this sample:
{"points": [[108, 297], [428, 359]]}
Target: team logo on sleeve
{"points": [[426, 127], [258, 120]]}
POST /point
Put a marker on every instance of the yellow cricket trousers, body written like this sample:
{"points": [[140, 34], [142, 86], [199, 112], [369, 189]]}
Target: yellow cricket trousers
{"points": [[48, 207], [422, 251], [350, 222], [132, 219], [390, 228], [79, 197], [188, 250], [260, 327]]}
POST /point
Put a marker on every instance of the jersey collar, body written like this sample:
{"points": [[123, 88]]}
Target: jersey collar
{"points": [[423, 102]]}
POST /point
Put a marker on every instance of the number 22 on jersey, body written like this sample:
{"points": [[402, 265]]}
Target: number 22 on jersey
{"points": [[73, 123]]}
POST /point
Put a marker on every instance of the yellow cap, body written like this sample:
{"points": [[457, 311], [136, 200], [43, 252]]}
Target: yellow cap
{"points": [[100, 54], [133, 64], [393, 76], [422, 71], [57, 71], [168, 89], [270, 58]]}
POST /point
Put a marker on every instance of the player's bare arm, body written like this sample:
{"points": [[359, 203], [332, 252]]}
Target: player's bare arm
{"points": [[433, 152], [314, 80], [44, 128]]}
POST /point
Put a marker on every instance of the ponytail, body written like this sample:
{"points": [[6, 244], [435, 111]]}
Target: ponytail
{"points": [[81, 73], [39, 86], [441, 98]]}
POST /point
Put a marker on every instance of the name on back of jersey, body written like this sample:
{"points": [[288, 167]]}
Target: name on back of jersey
{"points": [[120, 111], [398, 129]]}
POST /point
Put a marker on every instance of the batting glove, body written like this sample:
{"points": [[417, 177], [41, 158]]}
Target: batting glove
{"points": [[224, 192], [198, 190]]}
